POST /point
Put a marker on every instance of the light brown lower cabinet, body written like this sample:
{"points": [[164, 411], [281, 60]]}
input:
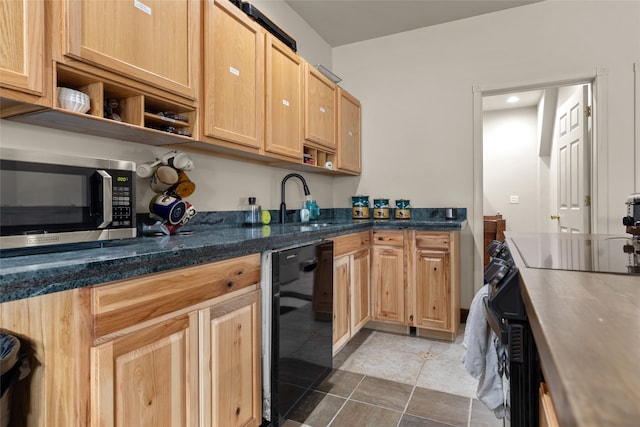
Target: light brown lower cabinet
{"points": [[388, 278], [178, 348], [415, 281], [435, 288], [230, 372], [149, 375], [351, 294], [198, 365]]}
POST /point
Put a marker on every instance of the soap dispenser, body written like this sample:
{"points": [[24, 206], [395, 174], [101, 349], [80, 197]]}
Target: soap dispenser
{"points": [[304, 213], [314, 209], [253, 217]]}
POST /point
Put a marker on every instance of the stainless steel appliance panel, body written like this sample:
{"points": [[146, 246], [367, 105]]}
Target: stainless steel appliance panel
{"points": [[49, 198]]}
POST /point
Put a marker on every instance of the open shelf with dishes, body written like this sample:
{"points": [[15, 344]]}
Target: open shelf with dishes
{"points": [[313, 156], [93, 105]]}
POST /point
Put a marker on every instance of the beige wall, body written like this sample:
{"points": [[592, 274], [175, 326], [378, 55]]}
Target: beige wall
{"points": [[510, 167], [416, 89]]}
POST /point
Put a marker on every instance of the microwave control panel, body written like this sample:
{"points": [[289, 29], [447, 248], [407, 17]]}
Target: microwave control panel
{"points": [[123, 199]]}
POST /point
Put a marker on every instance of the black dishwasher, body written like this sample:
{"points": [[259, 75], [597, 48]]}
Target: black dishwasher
{"points": [[301, 326]]}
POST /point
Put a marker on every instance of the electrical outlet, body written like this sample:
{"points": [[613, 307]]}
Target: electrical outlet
{"points": [[514, 200]]}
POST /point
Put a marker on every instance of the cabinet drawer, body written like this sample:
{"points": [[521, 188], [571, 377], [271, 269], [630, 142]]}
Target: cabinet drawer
{"points": [[123, 304], [388, 238], [351, 243], [433, 240]]}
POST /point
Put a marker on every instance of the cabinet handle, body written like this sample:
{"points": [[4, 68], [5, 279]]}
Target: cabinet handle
{"points": [[411, 317]]}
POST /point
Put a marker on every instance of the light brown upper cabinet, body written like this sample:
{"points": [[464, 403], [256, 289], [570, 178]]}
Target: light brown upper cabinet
{"points": [[24, 57], [319, 108], [233, 79], [154, 42], [348, 132], [283, 100]]}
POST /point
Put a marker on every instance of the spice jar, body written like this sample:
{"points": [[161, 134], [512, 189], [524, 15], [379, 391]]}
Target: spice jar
{"points": [[403, 209], [381, 208], [360, 207]]}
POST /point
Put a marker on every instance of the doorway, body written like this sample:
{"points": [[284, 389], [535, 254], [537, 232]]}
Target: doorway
{"points": [[536, 158], [598, 155]]}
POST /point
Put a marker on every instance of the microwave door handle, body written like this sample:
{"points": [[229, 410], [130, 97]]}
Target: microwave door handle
{"points": [[107, 199]]}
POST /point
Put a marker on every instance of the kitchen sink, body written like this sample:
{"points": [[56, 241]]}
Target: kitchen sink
{"points": [[310, 226]]}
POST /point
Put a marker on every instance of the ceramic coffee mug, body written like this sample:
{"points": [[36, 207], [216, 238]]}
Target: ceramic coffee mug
{"points": [[190, 213], [168, 207], [184, 187], [163, 179]]}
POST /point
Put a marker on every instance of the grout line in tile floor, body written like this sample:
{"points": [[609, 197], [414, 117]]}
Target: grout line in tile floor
{"points": [[438, 357], [346, 400]]}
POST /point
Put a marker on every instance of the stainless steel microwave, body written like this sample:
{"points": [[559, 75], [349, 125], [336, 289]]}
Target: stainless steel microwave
{"points": [[48, 199]]}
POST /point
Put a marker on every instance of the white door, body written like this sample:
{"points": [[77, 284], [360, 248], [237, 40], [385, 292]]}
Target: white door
{"points": [[573, 164]]}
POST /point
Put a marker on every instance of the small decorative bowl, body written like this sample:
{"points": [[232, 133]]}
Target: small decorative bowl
{"points": [[73, 100]]}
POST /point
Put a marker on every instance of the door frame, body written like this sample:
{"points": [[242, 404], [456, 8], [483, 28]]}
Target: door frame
{"points": [[599, 148]]}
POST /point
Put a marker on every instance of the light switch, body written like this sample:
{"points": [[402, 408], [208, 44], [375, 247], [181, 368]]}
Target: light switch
{"points": [[514, 200]]}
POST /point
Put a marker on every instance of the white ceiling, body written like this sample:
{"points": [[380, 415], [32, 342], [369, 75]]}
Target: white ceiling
{"points": [[341, 22], [499, 102]]}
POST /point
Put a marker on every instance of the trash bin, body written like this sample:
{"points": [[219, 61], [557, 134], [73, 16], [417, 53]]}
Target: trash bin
{"points": [[13, 367]]}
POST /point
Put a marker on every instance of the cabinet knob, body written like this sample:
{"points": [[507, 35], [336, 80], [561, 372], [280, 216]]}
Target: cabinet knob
{"points": [[229, 284], [411, 317]]}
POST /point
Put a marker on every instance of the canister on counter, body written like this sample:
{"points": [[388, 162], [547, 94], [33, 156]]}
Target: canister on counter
{"points": [[381, 208], [360, 207], [403, 209]]}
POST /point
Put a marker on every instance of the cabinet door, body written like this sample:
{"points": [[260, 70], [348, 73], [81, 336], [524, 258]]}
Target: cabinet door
{"points": [[230, 371], [388, 284], [23, 52], [433, 290], [360, 295], [320, 108], [283, 100], [148, 377], [348, 132], [233, 76], [341, 288], [153, 41]]}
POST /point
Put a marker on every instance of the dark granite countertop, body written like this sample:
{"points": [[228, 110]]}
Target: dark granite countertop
{"points": [[206, 240]]}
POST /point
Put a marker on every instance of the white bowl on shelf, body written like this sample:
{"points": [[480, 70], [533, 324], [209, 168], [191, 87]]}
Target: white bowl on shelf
{"points": [[73, 100]]}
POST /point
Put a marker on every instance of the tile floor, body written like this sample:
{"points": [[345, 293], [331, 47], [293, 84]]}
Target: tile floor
{"points": [[382, 379]]}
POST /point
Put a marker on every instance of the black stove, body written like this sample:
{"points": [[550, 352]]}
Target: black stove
{"points": [[580, 252]]}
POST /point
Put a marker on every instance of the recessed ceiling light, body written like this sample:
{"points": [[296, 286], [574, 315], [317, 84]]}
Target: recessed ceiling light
{"points": [[513, 99]]}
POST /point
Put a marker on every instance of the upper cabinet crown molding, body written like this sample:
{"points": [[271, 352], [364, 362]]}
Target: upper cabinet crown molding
{"points": [[154, 42]]}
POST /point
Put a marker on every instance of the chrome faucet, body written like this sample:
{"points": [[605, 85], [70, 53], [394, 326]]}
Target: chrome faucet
{"points": [[283, 205]]}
